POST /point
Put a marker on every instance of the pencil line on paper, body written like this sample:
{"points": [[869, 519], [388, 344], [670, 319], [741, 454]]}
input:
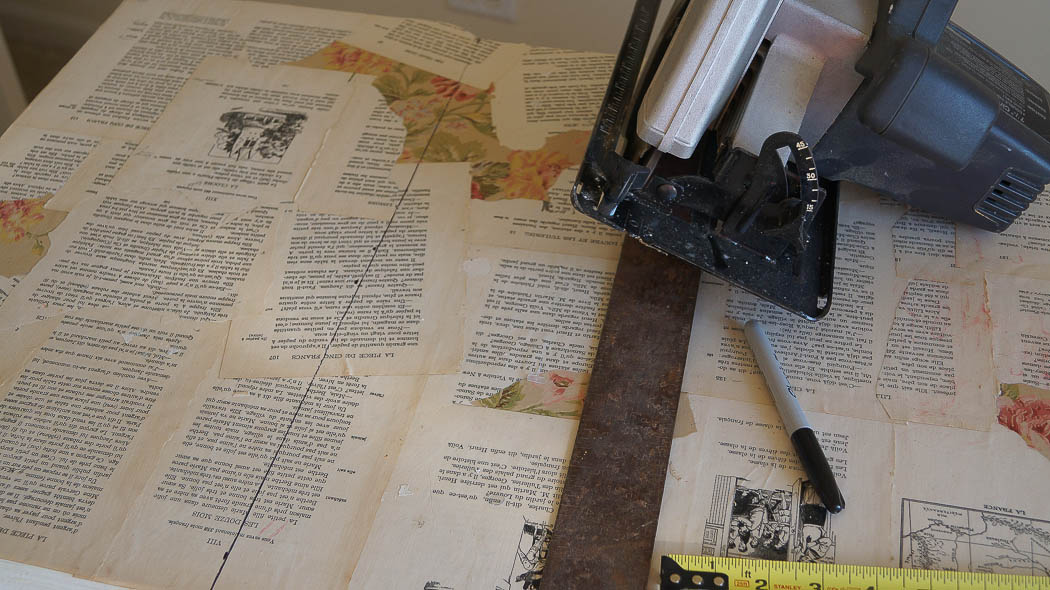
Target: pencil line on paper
{"points": [[331, 340]]}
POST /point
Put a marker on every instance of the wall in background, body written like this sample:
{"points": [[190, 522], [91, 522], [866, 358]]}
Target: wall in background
{"points": [[44, 34]]}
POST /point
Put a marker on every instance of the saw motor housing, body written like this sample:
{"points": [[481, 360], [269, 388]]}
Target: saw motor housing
{"points": [[730, 147]]}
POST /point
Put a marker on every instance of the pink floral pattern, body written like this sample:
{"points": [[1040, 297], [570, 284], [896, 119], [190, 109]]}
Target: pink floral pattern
{"points": [[554, 393], [1026, 411], [449, 121]]}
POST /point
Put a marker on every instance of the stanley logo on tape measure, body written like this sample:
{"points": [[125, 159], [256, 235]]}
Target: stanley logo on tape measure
{"points": [[691, 572]]}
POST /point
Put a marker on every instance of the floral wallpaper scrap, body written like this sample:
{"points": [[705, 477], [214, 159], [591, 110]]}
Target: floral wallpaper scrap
{"points": [[1026, 410], [24, 225], [554, 393], [464, 130]]}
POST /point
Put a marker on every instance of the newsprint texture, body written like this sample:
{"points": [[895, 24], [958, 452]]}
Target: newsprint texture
{"points": [[296, 298]]}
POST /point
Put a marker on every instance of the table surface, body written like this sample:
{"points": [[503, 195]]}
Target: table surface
{"points": [[976, 15]]}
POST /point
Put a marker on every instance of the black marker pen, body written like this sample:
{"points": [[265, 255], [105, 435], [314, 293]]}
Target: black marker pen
{"points": [[802, 436]]}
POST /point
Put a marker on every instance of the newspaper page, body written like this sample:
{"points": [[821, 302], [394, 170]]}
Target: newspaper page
{"points": [[346, 295]]}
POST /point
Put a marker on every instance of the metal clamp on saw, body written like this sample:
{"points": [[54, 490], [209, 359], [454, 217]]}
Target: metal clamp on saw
{"points": [[727, 149]]}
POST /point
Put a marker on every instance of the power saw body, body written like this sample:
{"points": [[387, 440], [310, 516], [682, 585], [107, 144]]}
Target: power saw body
{"points": [[729, 145]]}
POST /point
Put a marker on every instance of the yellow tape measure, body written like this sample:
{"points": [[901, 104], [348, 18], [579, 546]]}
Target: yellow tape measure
{"points": [[685, 572]]}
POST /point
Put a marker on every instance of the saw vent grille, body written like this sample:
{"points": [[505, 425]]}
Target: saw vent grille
{"points": [[1008, 198]]}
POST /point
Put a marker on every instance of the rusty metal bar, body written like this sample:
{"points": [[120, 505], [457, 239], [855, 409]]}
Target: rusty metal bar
{"points": [[606, 524]]}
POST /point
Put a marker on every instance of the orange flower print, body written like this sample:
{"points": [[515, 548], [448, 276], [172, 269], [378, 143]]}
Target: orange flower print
{"points": [[17, 216], [532, 173], [475, 191], [448, 88], [342, 57]]}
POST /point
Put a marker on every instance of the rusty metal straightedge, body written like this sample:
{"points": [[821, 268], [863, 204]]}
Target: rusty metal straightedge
{"points": [[606, 525]]}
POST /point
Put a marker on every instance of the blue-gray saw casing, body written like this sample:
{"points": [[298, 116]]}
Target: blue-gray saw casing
{"points": [[942, 122]]}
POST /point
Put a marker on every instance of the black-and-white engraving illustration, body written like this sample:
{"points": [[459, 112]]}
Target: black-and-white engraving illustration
{"points": [[760, 524], [780, 523], [527, 569], [816, 544], [257, 137], [945, 537]]}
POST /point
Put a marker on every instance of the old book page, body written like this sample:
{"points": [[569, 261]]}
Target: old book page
{"points": [[840, 352], [359, 178], [968, 501], [890, 349], [95, 173], [291, 468], [35, 166], [37, 162], [1020, 308], [88, 399], [236, 137], [488, 447], [543, 110], [345, 295], [548, 91], [154, 255], [124, 77], [1023, 249], [735, 488], [472, 499], [531, 313], [144, 52], [924, 246], [551, 225]]}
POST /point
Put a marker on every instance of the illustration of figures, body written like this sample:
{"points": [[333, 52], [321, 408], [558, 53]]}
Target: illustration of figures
{"points": [[258, 137], [527, 570], [782, 524], [760, 524], [816, 545]]}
